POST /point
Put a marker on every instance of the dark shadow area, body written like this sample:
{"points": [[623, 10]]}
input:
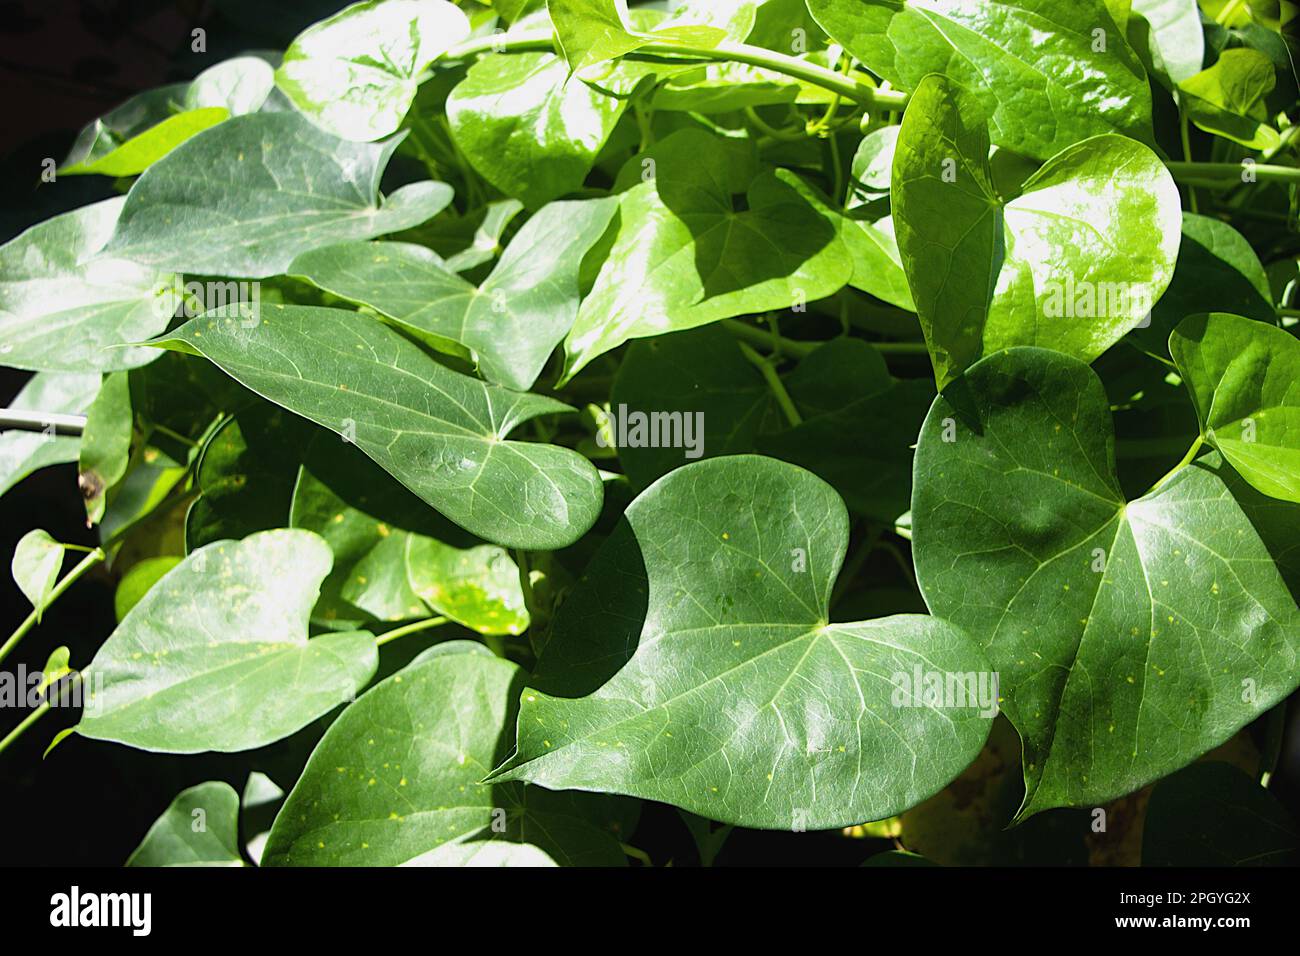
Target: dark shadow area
{"points": [[601, 620]]}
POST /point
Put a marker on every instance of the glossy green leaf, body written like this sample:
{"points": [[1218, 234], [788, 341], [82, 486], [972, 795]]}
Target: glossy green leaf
{"points": [[1244, 378], [1072, 263], [1175, 39], [694, 664], [485, 244], [366, 517], [440, 433], [592, 31], [1047, 72], [685, 255], [477, 587], [35, 566], [105, 443], [122, 123], [23, 452], [240, 85], [136, 583], [397, 775], [200, 828], [246, 197], [129, 138], [1228, 98], [215, 656], [140, 152], [1130, 637], [66, 301], [355, 74], [527, 128], [1213, 814], [509, 323], [873, 160]]}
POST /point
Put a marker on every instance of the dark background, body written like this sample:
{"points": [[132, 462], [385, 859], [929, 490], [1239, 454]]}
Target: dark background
{"points": [[62, 64]]}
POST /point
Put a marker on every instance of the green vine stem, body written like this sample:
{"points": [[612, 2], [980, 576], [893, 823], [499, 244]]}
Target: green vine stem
{"points": [[405, 629], [538, 616], [901, 348], [774, 383], [1187, 154], [845, 86], [85, 564], [766, 340], [1228, 175], [37, 713], [1187, 460], [1209, 175], [22, 728]]}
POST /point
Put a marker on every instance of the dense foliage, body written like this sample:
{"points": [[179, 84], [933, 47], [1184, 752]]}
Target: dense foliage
{"points": [[733, 404]]}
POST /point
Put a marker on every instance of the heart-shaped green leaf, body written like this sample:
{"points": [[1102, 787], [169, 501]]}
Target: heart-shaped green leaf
{"points": [[368, 581], [199, 828], [530, 130], [369, 521], [695, 664], [397, 775], [440, 433], [1175, 38], [35, 566], [245, 197], [65, 301], [592, 31], [105, 443], [509, 323], [129, 139], [1048, 72], [123, 123], [215, 656], [1228, 98], [1244, 377], [1072, 263], [356, 73], [140, 152], [1130, 636], [685, 255], [477, 587], [240, 85]]}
